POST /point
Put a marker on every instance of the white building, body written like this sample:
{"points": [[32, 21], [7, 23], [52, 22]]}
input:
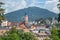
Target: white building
{"points": [[41, 32], [4, 23]]}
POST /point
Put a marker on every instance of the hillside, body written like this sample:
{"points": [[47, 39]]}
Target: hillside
{"points": [[33, 13]]}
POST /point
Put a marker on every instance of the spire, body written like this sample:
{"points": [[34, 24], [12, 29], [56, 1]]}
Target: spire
{"points": [[26, 18], [25, 14]]}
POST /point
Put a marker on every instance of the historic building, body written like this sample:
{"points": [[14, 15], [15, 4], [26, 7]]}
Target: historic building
{"points": [[26, 18]]}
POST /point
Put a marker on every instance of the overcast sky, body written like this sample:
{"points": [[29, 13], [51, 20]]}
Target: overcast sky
{"points": [[13, 5]]}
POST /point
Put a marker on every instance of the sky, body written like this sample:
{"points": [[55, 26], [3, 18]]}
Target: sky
{"points": [[13, 5]]}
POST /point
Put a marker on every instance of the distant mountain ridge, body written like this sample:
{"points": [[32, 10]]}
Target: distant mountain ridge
{"points": [[32, 12]]}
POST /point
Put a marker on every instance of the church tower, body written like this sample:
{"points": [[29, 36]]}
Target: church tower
{"points": [[26, 18]]}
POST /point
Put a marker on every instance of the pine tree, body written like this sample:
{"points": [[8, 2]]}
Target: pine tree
{"points": [[59, 17], [2, 17]]}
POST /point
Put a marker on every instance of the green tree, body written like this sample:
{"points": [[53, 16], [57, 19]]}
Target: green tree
{"points": [[2, 17], [47, 39], [59, 33], [15, 34], [59, 17], [1, 38], [12, 36], [27, 36], [1, 3], [1, 9], [54, 33]]}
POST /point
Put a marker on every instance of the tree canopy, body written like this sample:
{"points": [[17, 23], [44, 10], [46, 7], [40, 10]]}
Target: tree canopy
{"points": [[1, 3], [59, 17], [54, 33], [15, 34], [2, 17]]}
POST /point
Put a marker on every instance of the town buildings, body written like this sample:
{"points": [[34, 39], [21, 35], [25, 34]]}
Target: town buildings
{"points": [[40, 28]]}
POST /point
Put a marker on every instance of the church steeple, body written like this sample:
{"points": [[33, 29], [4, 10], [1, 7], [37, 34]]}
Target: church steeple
{"points": [[26, 14], [26, 18]]}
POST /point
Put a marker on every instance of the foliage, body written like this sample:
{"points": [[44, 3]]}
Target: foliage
{"points": [[58, 24], [59, 33], [28, 36], [2, 17], [15, 34], [46, 39], [2, 10], [1, 38], [1, 3], [59, 17], [54, 33]]}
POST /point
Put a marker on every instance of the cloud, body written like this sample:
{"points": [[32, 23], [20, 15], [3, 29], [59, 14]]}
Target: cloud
{"points": [[48, 4], [21, 5], [12, 5], [36, 3], [51, 5], [55, 9]]}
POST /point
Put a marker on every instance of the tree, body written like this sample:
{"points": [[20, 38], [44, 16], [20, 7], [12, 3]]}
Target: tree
{"points": [[1, 38], [46, 39], [2, 17], [59, 17], [1, 9], [12, 36], [59, 33], [15, 34], [27, 36], [54, 33], [1, 3]]}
